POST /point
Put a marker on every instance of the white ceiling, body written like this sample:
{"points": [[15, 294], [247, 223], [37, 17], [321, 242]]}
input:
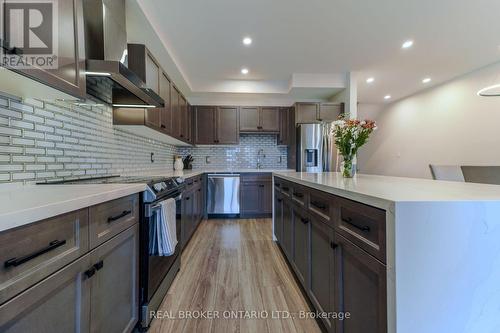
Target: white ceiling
{"points": [[322, 40]]}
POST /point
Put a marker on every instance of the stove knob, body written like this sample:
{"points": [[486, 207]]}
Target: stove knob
{"points": [[179, 180], [157, 187], [163, 185]]}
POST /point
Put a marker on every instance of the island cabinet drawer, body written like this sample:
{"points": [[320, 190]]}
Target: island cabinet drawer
{"points": [[32, 252], [321, 205], [363, 225], [299, 195], [112, 217], [286, 188]]}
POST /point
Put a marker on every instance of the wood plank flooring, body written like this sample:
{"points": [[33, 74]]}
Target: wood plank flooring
{"points": [[233, 265]]}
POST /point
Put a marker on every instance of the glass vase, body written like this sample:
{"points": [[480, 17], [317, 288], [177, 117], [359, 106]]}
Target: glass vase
{"points": [[348, 167]]}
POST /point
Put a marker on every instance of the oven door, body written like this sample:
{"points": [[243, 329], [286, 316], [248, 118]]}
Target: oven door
{"points": [[159, 266]]}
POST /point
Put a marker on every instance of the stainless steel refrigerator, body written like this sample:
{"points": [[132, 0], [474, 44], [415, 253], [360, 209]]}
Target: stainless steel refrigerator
{"points": [[316, 150]]}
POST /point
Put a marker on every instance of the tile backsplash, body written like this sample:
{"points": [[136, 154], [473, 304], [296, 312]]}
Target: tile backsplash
{"points": [[242, 156], [41, 140]]}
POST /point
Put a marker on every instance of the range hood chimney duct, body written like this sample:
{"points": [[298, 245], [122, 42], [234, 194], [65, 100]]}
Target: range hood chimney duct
{"points": [[108, 77]]}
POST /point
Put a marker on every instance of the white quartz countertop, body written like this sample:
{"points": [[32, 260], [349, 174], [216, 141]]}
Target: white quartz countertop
{"points": [[379, 189], [196, 172], [24, 204]]}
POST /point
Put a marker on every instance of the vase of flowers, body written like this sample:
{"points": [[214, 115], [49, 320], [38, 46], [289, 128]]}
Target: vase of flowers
{"points": [[349, 135]]}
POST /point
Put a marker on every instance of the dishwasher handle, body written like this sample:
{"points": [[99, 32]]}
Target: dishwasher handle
{"points": [[225, 175]]}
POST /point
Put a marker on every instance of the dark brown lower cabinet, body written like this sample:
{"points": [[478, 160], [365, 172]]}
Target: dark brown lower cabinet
{"points": [[287, 243], [114, 292], [278, 217], [256, 195], [82, 297], [337, 275], [321, 289], [187, 217], [301, 245], [362, 288], [193, 208], [60, 303]]}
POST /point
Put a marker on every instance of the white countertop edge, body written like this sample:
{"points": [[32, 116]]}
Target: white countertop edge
{"points": [[352, 195], [33, 214]]}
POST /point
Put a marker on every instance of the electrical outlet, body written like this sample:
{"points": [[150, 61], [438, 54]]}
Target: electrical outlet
{"points": [[207, 160]]}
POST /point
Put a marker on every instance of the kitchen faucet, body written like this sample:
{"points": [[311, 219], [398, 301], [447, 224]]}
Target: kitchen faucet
{"points": [[260, 155]]}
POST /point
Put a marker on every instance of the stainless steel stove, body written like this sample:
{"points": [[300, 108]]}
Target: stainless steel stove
{"points": [[156, 273]]}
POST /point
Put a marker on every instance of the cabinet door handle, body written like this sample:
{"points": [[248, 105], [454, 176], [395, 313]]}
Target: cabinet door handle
{"points": [[299, 195], [18, 261], [277, 184], [304, 220], [119, 216], [90, 272], [199, 190], [98, 265], [364, 228], [163, 126], [285, 188], [182, 135], [333, 245], [318, 205], [187, 198], [261, 185], [280, 200]]}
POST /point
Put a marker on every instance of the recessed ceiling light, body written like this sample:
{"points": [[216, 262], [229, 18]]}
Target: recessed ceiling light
{"points": [[247, 40], [426, 80], [244, 71], [387, 97], [370, 80], [407, 44]]}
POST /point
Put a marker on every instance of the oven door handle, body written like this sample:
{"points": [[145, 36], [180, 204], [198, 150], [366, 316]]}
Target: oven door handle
{"points": [[150, 208]]}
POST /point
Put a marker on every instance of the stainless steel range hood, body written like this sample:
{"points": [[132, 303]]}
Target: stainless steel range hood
{"points": [[108, 78]]}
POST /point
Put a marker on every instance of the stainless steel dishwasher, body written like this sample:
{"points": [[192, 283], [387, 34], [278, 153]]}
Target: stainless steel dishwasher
{"points": [[223, 197]]}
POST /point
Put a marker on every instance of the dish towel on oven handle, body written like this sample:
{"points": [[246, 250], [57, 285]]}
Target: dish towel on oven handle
{"points": [[163, 236]]}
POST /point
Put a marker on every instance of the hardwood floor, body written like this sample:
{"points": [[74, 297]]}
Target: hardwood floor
{"points": [[233, 265]]}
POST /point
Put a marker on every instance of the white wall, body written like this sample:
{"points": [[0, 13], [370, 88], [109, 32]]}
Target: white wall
{"points": [[448, 124]]}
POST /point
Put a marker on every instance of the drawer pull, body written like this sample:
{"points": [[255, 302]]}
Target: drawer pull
{"points": [[99, 265], [187, 198], [285, 188], [261, 185], [304, 220], [333, 245], [318, 205], [18, 261], [280, 200], [299, 195], [90, 272], [364, 228], [119, 216], [277, 184], [199, 190]]}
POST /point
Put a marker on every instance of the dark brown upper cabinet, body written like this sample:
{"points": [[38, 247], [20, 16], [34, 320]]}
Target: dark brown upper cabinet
{"points": [[69, 76], [228, 118], [166, 111], [317, 112], [204, 119], [330, 111], [216, 125], [176, 112], [184, 119], [259, 119], [249, 119], [283, 137]]}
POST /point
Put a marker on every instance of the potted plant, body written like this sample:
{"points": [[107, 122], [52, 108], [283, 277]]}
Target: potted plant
{"points": [[349, 135]]}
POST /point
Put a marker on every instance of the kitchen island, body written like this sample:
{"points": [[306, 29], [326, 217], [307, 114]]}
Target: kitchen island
{"points": [[400, 254]]}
